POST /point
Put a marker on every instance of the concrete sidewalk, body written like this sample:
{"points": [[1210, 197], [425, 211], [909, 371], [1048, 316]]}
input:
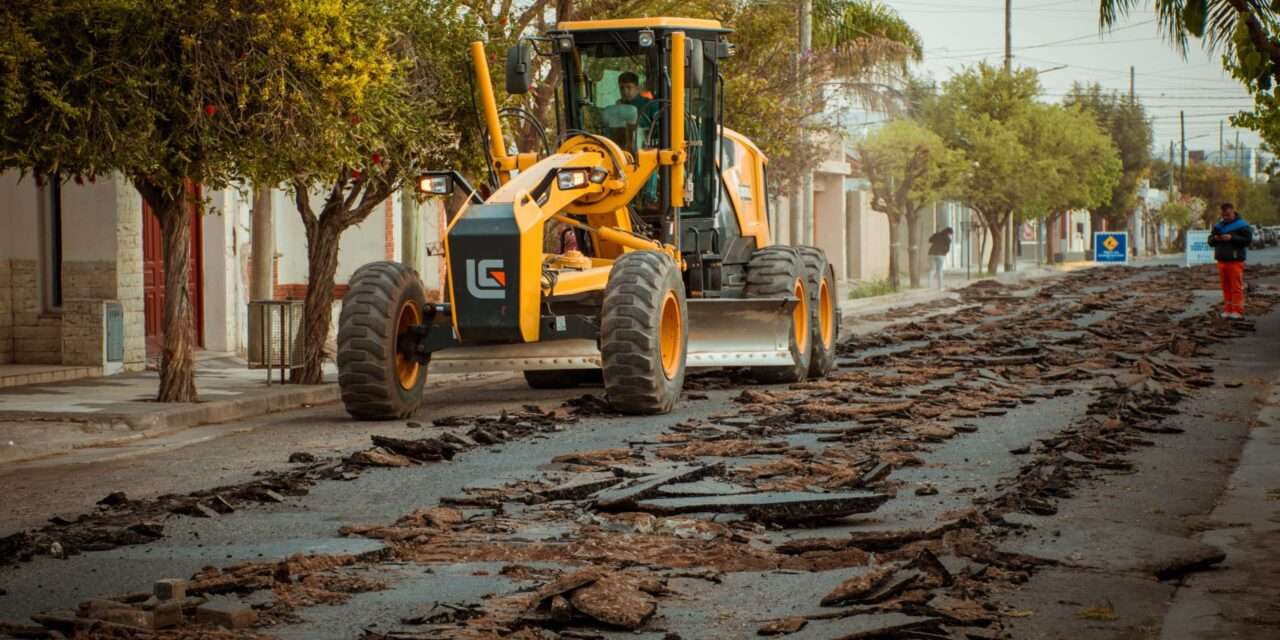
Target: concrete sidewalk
{"points": [[38, 420]]}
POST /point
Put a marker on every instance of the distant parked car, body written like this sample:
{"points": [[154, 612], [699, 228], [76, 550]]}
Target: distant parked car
{"points": [[1273, 235], [1259, 238]]}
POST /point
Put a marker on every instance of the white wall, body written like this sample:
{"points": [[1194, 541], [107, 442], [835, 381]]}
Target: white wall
{"points": [[363, 243], [226, 252], [18, 202], [89, 220]]}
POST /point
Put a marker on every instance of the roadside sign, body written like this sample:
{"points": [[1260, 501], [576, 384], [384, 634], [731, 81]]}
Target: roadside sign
{"points": [[1111, 246], [1198, 249]]}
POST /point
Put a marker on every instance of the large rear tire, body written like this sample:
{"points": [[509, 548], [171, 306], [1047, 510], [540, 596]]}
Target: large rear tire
{"points": [[377, 383], [825, 309], [644, 333], [779, 272]]}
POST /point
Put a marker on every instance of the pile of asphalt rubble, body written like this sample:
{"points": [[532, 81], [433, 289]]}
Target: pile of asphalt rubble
{"points": [[760, 488]]}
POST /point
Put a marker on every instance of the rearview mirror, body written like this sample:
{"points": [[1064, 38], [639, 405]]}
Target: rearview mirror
{"points": [[693, 63], [519, 67]]}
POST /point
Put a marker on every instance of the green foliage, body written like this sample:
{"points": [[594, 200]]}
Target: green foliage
{"points": [[908, 166], [1125, 121], [871, 289], [1023, 158], [1176, 214], [1074, 161], [1246, 31], [1214, 185], [977, 113]]}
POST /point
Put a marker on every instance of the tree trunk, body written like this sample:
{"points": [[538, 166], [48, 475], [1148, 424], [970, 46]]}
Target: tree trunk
{"points": [[1051, 238], [317, 311], [997, 245], [895, 238], [913, 248], [177, 359]]}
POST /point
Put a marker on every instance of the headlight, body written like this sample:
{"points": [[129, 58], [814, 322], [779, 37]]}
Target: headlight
{"points": [[646, 39], [572, 179], [435, 185]]}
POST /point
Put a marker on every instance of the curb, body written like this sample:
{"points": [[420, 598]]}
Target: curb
{"points": [[186, 415], [144, 426]]}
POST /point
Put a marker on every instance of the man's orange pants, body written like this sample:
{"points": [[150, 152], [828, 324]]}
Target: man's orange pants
{"points": [[1232, 276]]}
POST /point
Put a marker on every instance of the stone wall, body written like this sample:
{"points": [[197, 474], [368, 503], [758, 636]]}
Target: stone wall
{"points": [[37, 337], [129, 273], [6, 313], [83, 336]]}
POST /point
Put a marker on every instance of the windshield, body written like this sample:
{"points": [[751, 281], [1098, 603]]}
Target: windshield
{"points": [[614, 94]]}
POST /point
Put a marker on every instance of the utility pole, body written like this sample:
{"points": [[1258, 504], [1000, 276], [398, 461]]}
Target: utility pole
{"points": [[262, 245], [1170, 170], [1010, 235], [1008, 35], [1221, 129], [802, 210], [1182, 169], [1239, 155], [1133, 98]]}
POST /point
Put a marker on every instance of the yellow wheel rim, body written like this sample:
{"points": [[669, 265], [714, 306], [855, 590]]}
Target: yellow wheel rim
{"points": [[825, 325], [800, 316], [407, 369], [670, 330]]}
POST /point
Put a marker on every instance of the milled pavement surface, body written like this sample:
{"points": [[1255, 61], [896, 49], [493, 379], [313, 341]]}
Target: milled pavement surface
{"points": [[1132, 548]]}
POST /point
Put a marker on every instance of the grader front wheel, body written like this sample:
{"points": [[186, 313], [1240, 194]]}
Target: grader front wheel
{"points": [[644, 333], [377, 382]]}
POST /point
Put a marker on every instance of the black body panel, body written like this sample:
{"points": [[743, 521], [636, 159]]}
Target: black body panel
{"points": [[484, 259]]}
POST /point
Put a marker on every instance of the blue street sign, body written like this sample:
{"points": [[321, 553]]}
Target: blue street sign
{"points": [[1111, 246]]}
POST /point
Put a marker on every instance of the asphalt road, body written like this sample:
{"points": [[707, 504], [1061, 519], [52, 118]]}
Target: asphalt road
{"points": [[1095, 564]]}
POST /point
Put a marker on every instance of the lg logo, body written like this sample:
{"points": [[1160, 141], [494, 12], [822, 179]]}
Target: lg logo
{"points": [[486, 279]]}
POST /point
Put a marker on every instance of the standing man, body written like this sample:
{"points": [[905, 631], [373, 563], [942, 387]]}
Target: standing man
{"points": [[939, 247], [1230, 240]]}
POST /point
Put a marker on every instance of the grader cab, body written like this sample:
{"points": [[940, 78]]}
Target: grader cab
{"points": [[637, 248]]}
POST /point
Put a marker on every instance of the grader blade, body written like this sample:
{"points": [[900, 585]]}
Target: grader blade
{"points": [[537, 356], [733, 332]]}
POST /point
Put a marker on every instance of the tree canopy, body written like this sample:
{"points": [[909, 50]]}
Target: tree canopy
{"points": [[1125, 121], [909, 167]]}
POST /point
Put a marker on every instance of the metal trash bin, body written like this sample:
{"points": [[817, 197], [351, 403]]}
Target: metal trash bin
{"points": [[275, 336]]}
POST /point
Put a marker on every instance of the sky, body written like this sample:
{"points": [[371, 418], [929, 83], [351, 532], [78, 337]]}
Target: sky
{"points": [[1052, 33]]}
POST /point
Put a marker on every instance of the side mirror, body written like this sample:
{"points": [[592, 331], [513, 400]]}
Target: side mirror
{"points": [[693, 63], [519, 67]]}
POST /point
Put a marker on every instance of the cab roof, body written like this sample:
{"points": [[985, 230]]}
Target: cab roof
{"points": [[641, 23]]}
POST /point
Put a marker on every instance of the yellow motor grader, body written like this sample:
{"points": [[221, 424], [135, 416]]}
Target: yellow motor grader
{"points": [[638, 248]]}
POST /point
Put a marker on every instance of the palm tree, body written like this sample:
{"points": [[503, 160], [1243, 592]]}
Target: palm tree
{"points": [[863, 48], [1244, 30]]}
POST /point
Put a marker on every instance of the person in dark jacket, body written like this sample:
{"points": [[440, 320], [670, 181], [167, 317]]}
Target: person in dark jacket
{"points": [[1230, 240], [939, 247]]}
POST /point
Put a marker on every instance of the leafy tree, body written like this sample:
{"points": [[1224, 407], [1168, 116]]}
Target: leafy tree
{"points": [[1260, 204], [1214, 185], [1125, 121], [171, 94], [909, 168], [356, 155], [983, 112], [1075, 162]]}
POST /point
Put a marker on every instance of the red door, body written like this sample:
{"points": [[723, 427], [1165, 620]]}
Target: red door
{"points": [[153, 278]]}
